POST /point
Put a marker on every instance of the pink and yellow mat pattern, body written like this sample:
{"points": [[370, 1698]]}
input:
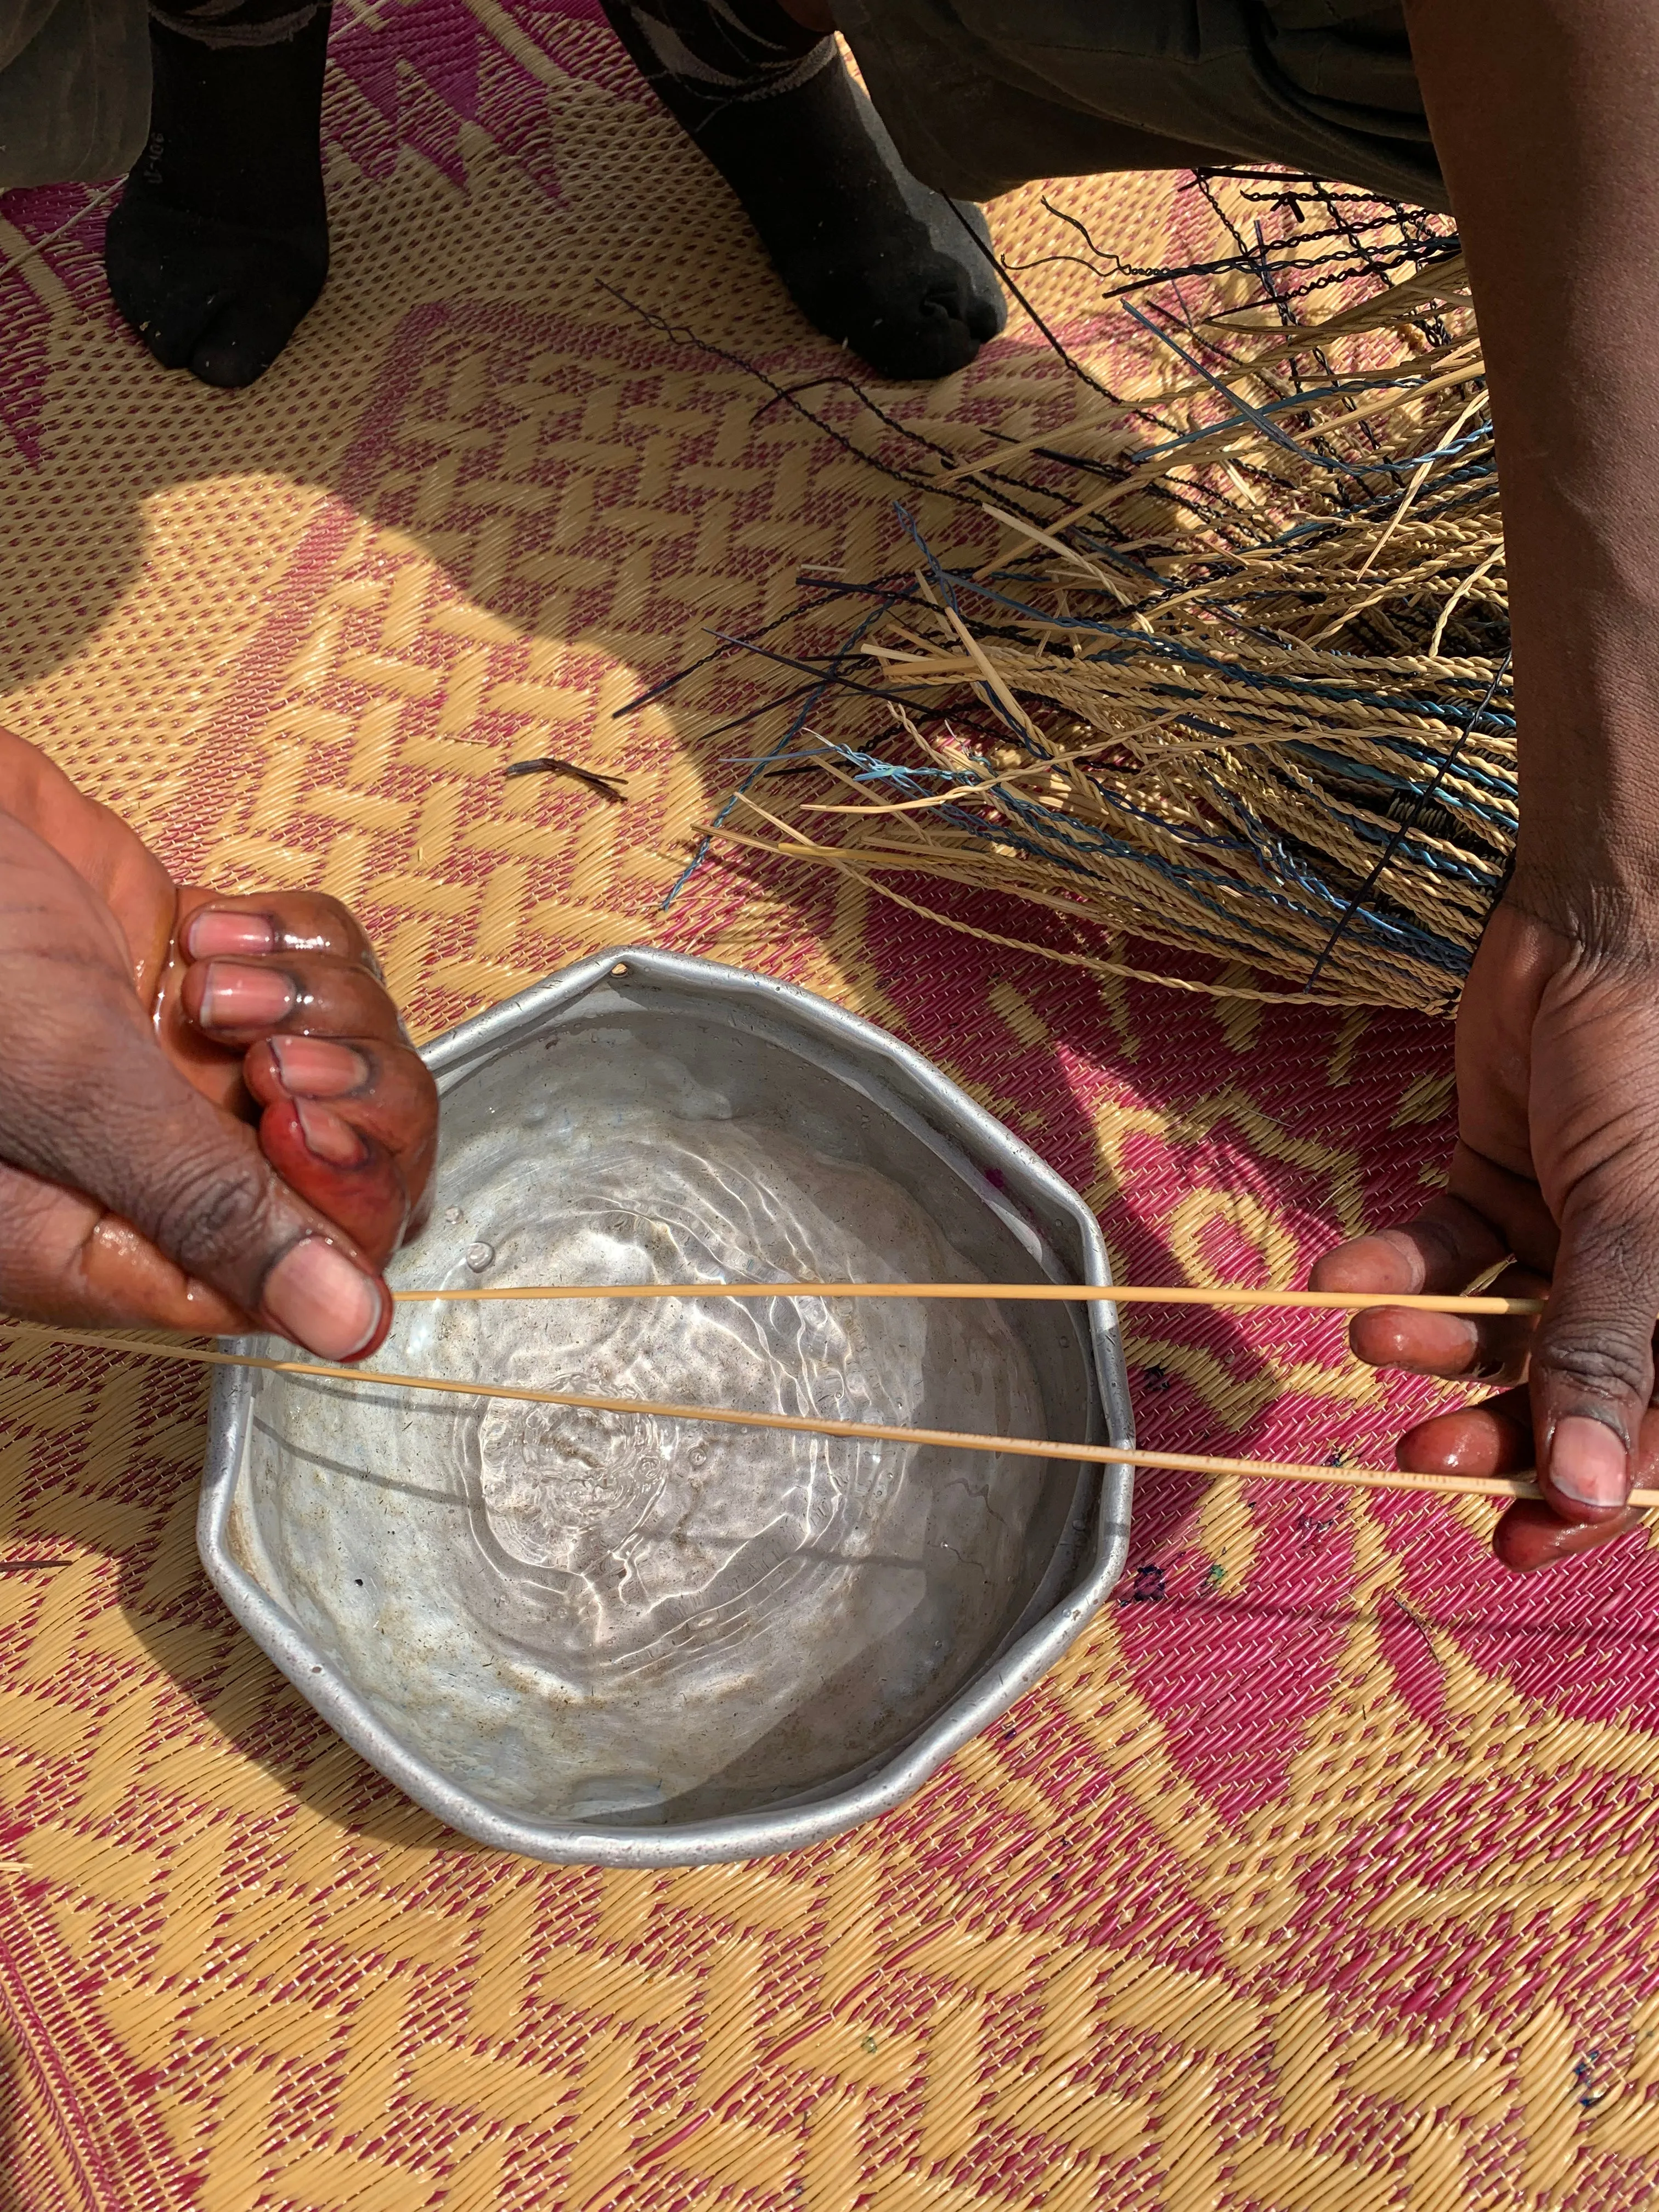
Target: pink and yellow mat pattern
{"points": [[1321, 1874]]}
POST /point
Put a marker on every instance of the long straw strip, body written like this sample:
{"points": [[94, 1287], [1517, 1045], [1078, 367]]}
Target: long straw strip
{"points": [[1119, 1294], [1348, 1478]]}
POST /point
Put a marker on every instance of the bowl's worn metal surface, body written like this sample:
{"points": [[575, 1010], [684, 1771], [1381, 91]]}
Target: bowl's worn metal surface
{"points": [[608, 1639]]}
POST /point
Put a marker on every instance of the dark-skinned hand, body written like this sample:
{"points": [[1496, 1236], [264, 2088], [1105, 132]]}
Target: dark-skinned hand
{"points": [[1556, 1171], [210, 1119]]}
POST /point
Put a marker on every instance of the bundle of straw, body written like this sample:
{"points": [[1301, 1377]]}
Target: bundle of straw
{"points": [[1237, 683]]}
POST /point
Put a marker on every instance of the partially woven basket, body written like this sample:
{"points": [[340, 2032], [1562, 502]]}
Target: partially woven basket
{"points": [[1237, 683]]}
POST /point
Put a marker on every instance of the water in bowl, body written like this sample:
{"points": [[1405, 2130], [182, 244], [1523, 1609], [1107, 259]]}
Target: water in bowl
{"points": [[618, 1615]]}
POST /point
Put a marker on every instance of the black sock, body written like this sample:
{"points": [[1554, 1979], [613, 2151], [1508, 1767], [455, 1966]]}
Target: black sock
{"points": [[219, 247], [868, 254]]}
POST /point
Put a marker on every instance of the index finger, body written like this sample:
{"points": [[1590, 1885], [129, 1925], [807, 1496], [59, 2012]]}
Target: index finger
{"points": [[211, 925], [1446, 1248]]}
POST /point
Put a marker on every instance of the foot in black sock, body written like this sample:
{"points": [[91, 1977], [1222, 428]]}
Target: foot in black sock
{"points": [[219, 247], [869, 255]]}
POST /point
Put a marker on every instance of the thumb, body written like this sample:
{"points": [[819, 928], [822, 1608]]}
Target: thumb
{"points": [[1591, 1375], [135, 1135]]}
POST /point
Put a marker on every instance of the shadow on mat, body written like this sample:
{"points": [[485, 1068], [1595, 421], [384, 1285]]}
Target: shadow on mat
{"points": [[503, 302], [471, 385]]}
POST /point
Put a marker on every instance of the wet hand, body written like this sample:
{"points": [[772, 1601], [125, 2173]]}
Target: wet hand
{"points": [[1556, 1172], [210, 1117]]}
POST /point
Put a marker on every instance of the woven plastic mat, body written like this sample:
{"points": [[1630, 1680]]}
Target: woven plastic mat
{"points": [[1320, 1874]]}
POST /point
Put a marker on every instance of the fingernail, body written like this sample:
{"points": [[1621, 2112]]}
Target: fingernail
{"points": [[328, 1136], [236, 997], [214, 931], [314, 1067], [1588, 1461], [315, 1295]]}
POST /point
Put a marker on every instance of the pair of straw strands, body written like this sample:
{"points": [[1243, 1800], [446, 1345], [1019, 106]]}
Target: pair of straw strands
{"points": [[1236, 1300]]}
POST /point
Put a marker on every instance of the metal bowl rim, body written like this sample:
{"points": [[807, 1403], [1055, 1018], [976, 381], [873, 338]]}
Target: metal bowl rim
{"points": [[734, 1836]]}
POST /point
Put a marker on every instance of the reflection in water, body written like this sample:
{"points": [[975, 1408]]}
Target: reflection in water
{"points": [[615, 1605]]}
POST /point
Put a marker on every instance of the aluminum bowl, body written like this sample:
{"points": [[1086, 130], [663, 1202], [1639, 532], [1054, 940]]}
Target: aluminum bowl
{"points": [[618, 1640]]}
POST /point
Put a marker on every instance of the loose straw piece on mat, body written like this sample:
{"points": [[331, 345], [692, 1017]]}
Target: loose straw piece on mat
{"points": [[1117, 1294], [1350, 1477]]}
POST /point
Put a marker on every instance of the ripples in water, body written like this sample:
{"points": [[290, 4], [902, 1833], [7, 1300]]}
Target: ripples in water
{"points": [[650, 1597]]}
